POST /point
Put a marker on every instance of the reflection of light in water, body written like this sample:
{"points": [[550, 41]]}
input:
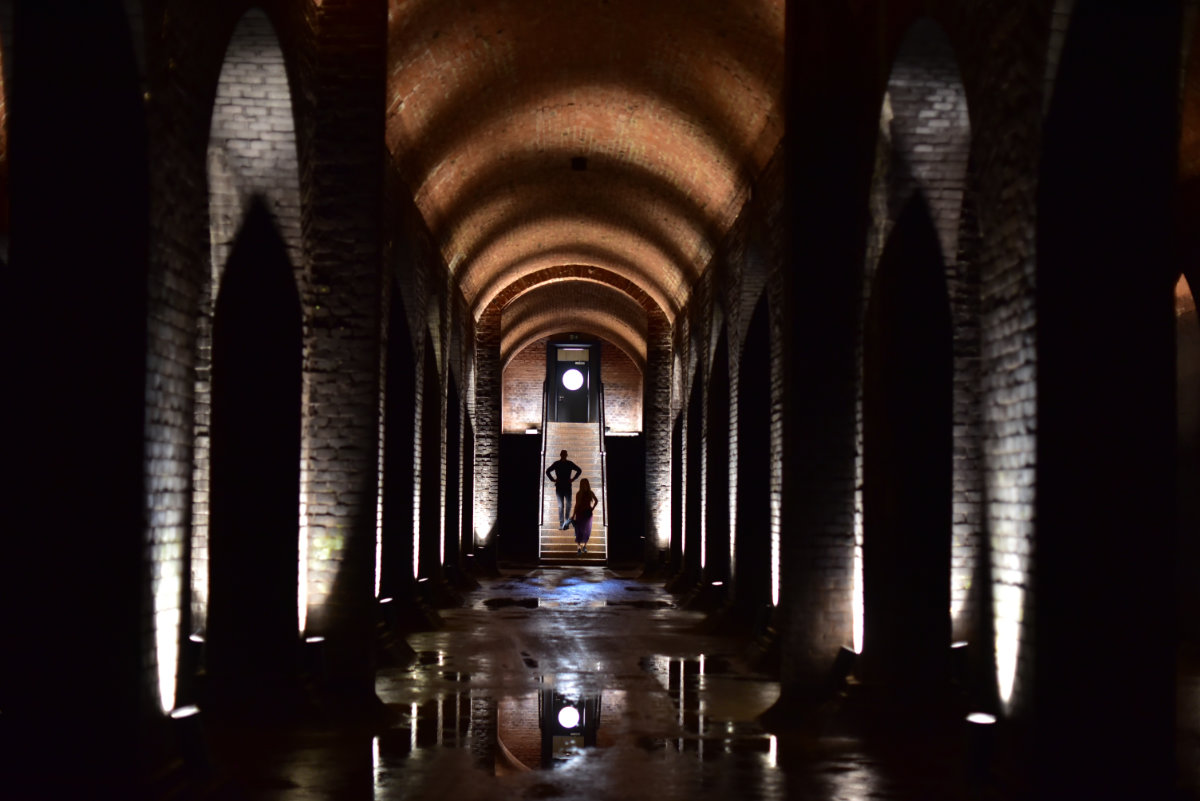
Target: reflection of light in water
{"points": [[981, 718], [412, 743], [773, 752]]}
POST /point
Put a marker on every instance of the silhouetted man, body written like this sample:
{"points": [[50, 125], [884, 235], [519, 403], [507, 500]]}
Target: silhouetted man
{"points": [[562, 473]]}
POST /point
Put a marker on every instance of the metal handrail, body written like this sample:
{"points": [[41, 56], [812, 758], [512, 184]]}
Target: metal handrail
{"points": [[545, 439], [603, 459]]}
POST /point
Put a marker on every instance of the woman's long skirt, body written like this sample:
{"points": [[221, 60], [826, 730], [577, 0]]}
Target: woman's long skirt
{"points": [[583, 529]]}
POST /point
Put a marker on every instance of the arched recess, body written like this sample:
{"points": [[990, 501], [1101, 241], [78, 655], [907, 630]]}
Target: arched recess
{"points": [[693, 522], [430, 545], [752, 546], [397, 547], [718, 538], [255, 471], [922, 158], [676, 544], [453, 515], [907, 456], [245, 160], [467, 537]]}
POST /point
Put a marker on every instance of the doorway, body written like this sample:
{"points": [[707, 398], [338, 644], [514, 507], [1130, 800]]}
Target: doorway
{"points": [[574, 376]]}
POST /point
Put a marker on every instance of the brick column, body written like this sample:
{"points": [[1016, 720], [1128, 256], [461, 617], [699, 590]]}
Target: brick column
{"points": [[343, 158], [656, 423], [487, 413], [828, 176], [74, 577], [1103, 666]]}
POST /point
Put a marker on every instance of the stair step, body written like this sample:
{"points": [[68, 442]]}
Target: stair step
{"points": [[582, 443]]}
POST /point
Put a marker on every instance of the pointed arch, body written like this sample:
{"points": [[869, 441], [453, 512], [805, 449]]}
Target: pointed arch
{"points": [[255, 472], [752, 546], [718, 484], [251, 159], [907, 454]]}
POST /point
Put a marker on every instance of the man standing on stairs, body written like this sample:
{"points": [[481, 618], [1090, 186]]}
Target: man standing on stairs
{"points": [[563, 473]]}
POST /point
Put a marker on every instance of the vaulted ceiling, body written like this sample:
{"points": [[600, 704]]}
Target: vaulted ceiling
{"points": [[615, 134]]}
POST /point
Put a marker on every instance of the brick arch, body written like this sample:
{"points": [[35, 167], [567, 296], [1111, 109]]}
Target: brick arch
{"points": [[922, 156], [603, 150], [753, 566], [580, 41], [719, 483], [502, 296], [610, 201], [907, 460], [630, 248], [251, 627], [607, 261], [251, 153], [582, 305], [252, 138]]}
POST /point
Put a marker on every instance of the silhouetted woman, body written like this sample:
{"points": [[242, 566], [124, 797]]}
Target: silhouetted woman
{"points": [[585, 502]]}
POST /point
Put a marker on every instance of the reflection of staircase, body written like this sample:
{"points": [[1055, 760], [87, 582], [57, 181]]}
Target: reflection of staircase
{"points": [[581, 441]]}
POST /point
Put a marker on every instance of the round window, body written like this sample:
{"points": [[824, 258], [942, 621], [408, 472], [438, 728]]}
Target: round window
{"points": [[568, 717], [572, 379]]}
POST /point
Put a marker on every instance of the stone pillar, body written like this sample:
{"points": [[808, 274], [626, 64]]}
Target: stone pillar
{"points": [[74, 574], [1103, 666], [342, 155], [656, 423], [487, 412]]}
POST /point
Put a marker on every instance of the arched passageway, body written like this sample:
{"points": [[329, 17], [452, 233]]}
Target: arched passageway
{"points": [[252, 642], [752, 551], [693, 520], [718, 535], [676, 544], [398, 566], [453, 519], [431, 545], [907, 461], [244, 161]]}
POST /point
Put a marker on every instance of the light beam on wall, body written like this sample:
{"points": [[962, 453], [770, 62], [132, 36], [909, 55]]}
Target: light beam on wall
{"points": [[302, 555], [856, 597], [166, 637], [1008, 606], [775, 556]]}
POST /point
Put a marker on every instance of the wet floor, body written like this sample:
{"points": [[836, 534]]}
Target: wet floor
{"points": [[588, 684]]}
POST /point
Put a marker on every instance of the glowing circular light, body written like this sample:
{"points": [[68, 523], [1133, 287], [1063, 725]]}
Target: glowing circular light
{"points": [[185, 712], [568, 717], [981, 718], [572, 379]]}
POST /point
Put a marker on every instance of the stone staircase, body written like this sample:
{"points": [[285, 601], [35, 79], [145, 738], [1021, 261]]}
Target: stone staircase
{"points": [[580, 440]]}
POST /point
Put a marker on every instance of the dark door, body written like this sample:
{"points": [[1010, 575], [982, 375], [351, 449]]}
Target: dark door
{"points": [[572, 384]]}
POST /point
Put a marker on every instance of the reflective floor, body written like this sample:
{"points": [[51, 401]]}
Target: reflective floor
{"points": [[590, 684]]}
